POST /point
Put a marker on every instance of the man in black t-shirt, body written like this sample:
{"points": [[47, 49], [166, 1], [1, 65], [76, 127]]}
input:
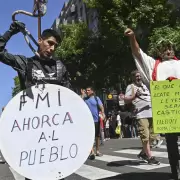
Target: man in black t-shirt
{"points": [[33, 70]]}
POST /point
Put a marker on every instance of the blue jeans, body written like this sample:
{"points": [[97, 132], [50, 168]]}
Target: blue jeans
{"points": [[132, 130]]}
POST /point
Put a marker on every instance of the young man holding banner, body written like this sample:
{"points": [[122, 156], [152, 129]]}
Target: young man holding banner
{"points": [[166, 67], [30, 70]]}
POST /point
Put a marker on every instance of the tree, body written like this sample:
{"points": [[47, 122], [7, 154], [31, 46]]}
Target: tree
{"points": [[104, 58], [16, 89], [165, 33], [73, 49], [114, 17]]}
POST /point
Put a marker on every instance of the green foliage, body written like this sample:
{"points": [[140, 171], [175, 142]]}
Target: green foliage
{"points": [[165, 33], [74, 38], [141, 15], [73, 50], [107, 58], [103, 58], [16, 89]]}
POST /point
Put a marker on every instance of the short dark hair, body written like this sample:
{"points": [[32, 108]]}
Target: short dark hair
{"points": [[90, 87], [133, 74], [50, 32]]}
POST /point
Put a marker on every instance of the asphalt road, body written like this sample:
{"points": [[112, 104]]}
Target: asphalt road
{"points": [[119, 162]]}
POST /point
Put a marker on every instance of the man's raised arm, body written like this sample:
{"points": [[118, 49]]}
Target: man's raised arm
{"points": [[133, 42], [6, 57], [144, 63]]}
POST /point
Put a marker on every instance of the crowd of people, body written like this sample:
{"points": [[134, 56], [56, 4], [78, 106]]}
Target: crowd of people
{"points": [[125, 123], [134, 122], [136, 117]]}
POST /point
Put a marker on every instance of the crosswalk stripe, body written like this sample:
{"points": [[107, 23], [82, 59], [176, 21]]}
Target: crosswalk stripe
{"points": [[135, 163], [94, 173], [135, 151], [165, 147], [16, 175]]}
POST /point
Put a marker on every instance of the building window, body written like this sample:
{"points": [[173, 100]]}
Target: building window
{"points": [[73, 8], [81, 11], [65, 22]]}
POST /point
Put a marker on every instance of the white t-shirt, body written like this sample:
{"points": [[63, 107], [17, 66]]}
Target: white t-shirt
{"points": [[142, 104], [165, 69], [118, 119], [121, 101], [107, 123]]}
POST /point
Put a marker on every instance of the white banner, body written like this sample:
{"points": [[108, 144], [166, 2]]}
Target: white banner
{"points": [[46, 133]]}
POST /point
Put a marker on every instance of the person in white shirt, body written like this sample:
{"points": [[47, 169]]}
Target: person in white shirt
{"points": [[107, 135], [138, 96], [163, 68], [167, 66], [118, 119]]}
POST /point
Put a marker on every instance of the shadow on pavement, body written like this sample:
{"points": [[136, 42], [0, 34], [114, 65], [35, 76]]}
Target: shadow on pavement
{"points": [[125, 162], [3, 162], [141, 176], [140, 148]]}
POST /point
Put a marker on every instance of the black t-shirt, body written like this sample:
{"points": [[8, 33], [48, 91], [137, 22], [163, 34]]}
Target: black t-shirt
{"points": [[41, 68]]}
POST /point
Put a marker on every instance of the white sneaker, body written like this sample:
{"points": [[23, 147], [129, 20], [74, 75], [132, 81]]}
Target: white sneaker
{"points": [[159, 143], [154, 144]]}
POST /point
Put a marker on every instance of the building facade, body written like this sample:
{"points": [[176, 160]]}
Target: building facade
{"points": [[75, 11]]}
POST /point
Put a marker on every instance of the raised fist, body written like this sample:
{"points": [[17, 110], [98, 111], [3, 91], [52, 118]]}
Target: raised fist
{"points": [[129, 32], [17, 27]]}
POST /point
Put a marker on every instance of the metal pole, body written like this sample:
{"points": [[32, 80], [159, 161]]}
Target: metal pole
{"points": [[39, 21], [39, 27]]}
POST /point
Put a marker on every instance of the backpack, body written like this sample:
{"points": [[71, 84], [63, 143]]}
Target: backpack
{"points": [[95, 97]]}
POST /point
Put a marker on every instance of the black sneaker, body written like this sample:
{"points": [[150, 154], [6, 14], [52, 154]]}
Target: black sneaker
{"points": [[142, 156], [92, 156], [153, 161]]}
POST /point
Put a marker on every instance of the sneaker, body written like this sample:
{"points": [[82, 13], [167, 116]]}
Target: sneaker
{"points": [[92, 156], [142, 156], [99, 154], [154, 144], [159, 143], [153, 161]]}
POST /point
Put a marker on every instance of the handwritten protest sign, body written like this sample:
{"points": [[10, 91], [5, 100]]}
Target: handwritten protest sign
{"points": [[46, 133], [166, 106]]}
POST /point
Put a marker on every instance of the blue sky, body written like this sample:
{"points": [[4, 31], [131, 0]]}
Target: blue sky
{"points": [[17, 44]]}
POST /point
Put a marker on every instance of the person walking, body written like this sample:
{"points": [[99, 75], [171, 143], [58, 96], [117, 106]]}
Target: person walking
{"points": [[165, 67], [95, 105], [138, 95]]}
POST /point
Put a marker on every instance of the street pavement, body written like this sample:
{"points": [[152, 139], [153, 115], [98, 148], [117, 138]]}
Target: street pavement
{"points": [[119, 162]]}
